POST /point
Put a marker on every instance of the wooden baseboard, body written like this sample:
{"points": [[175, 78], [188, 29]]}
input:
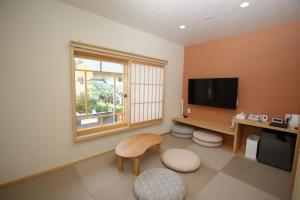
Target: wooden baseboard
{"points": [[51, 170]]}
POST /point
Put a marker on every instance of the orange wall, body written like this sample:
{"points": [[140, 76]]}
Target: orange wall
{"points": [[267, 64]]}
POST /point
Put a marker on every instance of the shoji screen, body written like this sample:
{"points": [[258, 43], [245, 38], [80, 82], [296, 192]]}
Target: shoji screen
{"points": [[146, 93]]}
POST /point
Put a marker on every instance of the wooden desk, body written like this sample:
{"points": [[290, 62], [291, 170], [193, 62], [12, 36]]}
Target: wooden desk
{"points": [[206, 125], [240, 123], [238, 133]]}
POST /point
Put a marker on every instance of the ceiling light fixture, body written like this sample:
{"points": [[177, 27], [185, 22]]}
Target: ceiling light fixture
{"points": [[244, 4], [208, 17], [182, 27]]}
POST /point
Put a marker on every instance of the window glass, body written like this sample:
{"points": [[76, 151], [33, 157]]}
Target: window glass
{"points": [[112, 67], [99, 97], [87, 64]]}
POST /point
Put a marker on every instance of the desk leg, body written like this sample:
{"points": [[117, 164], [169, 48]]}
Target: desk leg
{"points": [[137, 165], [295, 161], [120, 163], [157, 149], [237, 138]]}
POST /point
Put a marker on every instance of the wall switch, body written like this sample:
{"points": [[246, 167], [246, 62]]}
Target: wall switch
{"points": [[189, 111]]}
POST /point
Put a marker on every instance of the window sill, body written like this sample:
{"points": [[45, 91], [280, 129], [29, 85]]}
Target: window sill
{"points": [[89, 136]]}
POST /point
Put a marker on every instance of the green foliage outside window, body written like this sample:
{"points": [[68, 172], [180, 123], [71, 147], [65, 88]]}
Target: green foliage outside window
{"points": [[100, 98]]}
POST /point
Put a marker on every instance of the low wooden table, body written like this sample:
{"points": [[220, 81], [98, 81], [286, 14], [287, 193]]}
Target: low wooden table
{"points": [[134, 147]]}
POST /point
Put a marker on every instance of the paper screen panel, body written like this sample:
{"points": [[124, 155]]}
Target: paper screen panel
{"points": [[137, 73], [160, 110], [132, 113], [137, 93], [145, 107], [146, 92], [132, 73], [136, 113]]}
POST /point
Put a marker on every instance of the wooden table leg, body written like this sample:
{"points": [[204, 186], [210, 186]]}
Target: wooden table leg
{"points": [[120, 162], [237, 138], [137, 165], [157, 149]]}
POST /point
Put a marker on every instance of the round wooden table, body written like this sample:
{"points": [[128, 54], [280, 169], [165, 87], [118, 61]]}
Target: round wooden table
{"points": [[134, 147]]}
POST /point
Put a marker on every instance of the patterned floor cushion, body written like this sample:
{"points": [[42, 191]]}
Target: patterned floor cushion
{"points": [[159, 184], [181, 160]]}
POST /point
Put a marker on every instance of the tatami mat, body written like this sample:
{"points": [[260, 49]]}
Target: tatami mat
{"points": [[215, 158], [227, 188], [65, 184], [269, 179], [222, 175]]}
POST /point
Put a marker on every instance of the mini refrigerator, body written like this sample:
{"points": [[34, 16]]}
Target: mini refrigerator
{"points": [[276, 148]]}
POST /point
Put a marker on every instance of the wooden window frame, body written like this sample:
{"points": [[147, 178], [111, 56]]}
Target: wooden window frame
{"points": [[96, 52]]}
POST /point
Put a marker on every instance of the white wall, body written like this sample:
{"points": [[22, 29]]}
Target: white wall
{"points": [[35, 83]]}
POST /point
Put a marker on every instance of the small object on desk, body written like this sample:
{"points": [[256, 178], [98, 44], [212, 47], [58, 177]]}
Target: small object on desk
{"points": [[279, 124], [277, 120], [233, 122], [264, 118], [254, 117], [241, 115], [287, 117], [294, 121]]}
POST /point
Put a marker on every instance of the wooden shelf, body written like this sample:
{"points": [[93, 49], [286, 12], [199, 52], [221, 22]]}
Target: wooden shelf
{"points": [[206, 125], [265, 125]]}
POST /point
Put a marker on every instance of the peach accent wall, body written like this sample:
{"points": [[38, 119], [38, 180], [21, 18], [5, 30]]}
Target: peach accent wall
{"points": [[268, 66]]}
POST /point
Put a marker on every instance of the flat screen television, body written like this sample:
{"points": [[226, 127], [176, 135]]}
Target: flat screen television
{"points": [[216, 92]]}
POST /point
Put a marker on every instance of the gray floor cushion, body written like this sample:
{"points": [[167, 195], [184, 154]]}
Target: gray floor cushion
{"points": [[159, 184], [183, 129], [184, 136], [206, 136], [181, 160], [207, 144]]}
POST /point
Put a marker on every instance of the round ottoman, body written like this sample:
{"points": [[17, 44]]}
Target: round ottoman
{"points": [[183, 136], [207, 139], [159, 184], [182, 131], [181, 160]]}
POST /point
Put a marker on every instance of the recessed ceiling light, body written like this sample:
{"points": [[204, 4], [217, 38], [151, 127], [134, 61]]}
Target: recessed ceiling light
{"points": [[244, 4], [208, 17], [182, 27]]}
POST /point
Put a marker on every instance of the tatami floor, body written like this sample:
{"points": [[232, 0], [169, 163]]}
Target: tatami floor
{"points": [[221, 176]]}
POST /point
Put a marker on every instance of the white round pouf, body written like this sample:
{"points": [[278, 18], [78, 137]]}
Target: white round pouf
{"points": [[181, 160], [159, 184], [183, 136], [206, 144], [207, 137]]}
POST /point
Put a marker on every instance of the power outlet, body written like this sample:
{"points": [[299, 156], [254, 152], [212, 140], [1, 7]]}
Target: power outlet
{"points": [[189, 111]]}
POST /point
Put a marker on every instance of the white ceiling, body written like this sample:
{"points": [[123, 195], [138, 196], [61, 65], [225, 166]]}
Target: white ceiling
{"points": [[205, 19]]}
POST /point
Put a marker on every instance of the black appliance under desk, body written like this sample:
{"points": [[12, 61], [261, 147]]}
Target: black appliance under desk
{"points": [[276, 148]]}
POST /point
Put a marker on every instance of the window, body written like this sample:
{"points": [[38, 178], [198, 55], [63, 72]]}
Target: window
{"points": [[114, 90], [99, 93]]}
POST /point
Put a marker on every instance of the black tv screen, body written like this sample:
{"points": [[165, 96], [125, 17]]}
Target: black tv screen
{"points": [[217, 92]]}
